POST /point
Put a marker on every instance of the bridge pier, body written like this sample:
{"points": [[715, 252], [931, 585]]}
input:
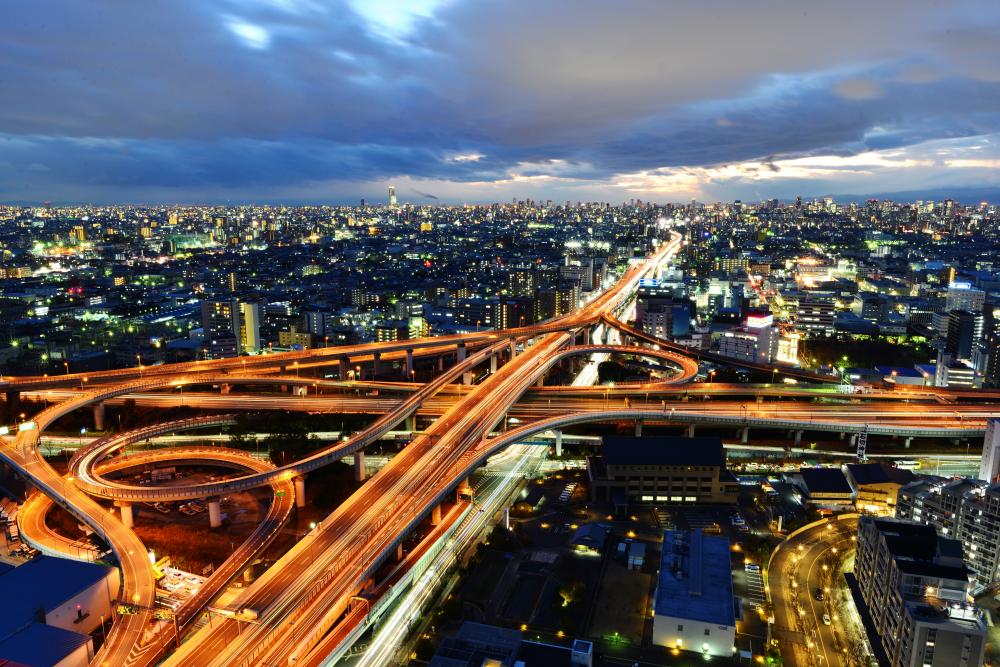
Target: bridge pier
{"points": [[464, 489], [225, 389], [540, 382], [214, 512], [99, 414], [586, 335], [343, 363], [513, 350], [300, 491], [690, 431], [128, 520], [638, 428], [854, 440], [411, 423], [493, 364], [440, 363], [436, 515], [798, 438], [843, 435], [409, 364], [467, 378], [908, 442], [744, 434], [460, 353], [558, 444], [13, 399], [399, 551], [359, 465], [376, 358]]}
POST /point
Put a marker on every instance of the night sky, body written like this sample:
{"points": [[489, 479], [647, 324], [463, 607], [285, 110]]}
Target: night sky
{"points": [[195, 101]]}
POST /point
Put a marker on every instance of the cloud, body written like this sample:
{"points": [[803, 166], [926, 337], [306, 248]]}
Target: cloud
{"points": [[298, 96]]}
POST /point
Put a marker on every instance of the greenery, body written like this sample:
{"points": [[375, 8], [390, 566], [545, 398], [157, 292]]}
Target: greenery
{"points": [[864, 353]]}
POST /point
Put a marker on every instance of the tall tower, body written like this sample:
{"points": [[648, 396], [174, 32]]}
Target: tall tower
{"points": [[392, 195]]}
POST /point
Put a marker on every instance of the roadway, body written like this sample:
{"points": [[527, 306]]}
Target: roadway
{"points": [[808, 561]]}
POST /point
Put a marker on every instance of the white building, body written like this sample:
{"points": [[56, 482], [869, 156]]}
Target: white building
{"points": [[693, 605], [989, 468]]}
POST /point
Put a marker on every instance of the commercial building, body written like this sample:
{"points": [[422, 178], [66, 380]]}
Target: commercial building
{"points": [[51, 605], [876, 486], [815, 317], [963, 296], [757, 341], [965, 509], [915, 586], [693, 607], [965, 329], [661, 469], [826, 488], [480, 645]]}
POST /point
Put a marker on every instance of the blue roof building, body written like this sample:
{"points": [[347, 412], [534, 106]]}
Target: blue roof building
{"points": [[694, 607]]}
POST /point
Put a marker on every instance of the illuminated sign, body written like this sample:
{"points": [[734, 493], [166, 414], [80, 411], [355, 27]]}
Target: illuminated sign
{"points": [[649, 282], [960, 284], [26, 426], [760, 321]]}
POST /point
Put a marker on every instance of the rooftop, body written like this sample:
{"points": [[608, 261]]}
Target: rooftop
{"points": [[696, 580], [663, 450], [825, 480], [878, 473]]}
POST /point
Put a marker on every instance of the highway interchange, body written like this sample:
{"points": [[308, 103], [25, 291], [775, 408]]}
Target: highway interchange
{"points": [[311, 593]]}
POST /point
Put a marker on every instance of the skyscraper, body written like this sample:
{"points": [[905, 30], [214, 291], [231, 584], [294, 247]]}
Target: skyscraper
{"points": [[392, 195]]}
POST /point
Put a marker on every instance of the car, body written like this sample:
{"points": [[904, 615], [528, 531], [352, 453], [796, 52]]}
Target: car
{"points": [[819, 595], [826, 619], [752, 567]]}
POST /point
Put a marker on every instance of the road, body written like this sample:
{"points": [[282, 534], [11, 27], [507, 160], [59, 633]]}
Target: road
{"points": [[808, 561]]}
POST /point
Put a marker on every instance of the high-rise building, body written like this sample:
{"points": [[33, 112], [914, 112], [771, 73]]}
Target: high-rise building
{"points": [[965, 329], [962, 296], [220, 319], [757, 341], [392, 195], [915, 585], [249, 328]]}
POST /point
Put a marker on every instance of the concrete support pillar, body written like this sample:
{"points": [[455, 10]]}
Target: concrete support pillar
{"points": [[214, 512], [493, 364], [638, 428], [399, 551], [343, 363], [540, 382], [436, 515], [376, 358], [558, 444], [127, 519], [586, 335], [798, 438], [13, 399], [300, 491], [690, 431], [248, 575], [854, 440], [843, 435], [744, 434], [301, 390], [409, 364], [513, 349], [464, 489], [440, 363], [467, 378], [99, 416], [410, 424], [908, 442], [460, 353], [359, 465], [225, 388]]}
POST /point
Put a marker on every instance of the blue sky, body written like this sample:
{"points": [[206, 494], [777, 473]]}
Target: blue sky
{"points": [[482, 100]]}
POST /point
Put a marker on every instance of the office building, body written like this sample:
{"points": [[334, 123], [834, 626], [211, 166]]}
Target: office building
{"points": [[757, 341], [392, 195], [915, 587], [661, 469], [963, 296], [965, 329], [876, 486], [815, 317], [693, 607], [250, 328]]}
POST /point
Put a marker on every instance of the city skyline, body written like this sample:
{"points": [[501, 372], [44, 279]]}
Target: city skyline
{"points": [[305, 102]]}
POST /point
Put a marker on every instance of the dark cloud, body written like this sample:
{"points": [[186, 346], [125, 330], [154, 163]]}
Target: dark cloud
{"points": [[129, 99]]}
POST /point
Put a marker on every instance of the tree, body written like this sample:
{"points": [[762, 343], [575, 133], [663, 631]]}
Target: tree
{"points": [[572, 592]]}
